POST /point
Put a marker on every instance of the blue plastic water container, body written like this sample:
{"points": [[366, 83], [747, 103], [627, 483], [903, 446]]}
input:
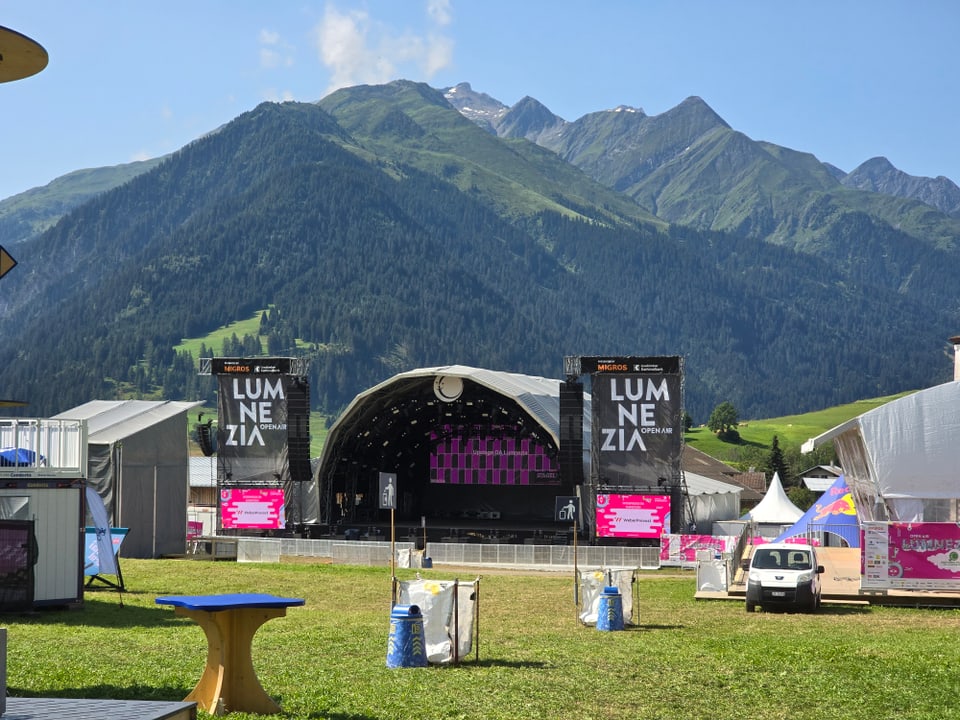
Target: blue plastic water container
{"points": [[406, 645], [610, 610]]}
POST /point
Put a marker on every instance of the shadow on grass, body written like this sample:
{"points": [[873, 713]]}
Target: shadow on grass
{"points": [[338, 716], [655, 627], [109, 692], [107, 612], [491, 662], [824, 610]]}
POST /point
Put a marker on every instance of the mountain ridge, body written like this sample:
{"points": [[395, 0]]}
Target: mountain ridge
{"points": [[383, 223], [941, 193]]}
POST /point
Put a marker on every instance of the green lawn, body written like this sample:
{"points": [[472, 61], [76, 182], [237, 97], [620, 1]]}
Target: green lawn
{"points": [[685, 659]]}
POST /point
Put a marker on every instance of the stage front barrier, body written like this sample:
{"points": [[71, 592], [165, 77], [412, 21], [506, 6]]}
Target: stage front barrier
{"points": [[374, 552], [594, 582], [450, 609]]}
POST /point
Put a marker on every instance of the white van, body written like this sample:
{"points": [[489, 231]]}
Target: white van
{"points": [[784, 575]]}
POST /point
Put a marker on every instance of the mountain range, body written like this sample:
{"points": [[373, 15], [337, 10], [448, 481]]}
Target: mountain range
{"points": [[397, 226]]}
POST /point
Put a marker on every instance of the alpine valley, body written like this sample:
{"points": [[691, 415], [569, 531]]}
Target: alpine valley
{"points": [[398, 226]]}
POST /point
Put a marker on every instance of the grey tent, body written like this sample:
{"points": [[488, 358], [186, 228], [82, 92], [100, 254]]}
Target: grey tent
{"points": [[138, 463]]}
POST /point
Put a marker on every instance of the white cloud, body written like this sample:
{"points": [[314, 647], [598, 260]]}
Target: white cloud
{"points": [[269, 58], [439, 55], [439, 11], [358, 50], [274, 95], [274, 52]]}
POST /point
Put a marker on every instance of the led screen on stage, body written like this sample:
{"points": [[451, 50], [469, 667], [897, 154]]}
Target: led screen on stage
{"points": [[260, 508], [633, 516], [484, 459]]}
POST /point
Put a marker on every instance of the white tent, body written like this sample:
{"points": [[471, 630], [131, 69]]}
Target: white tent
{"points": [[775, 508], [900, 459], [712, 500]]}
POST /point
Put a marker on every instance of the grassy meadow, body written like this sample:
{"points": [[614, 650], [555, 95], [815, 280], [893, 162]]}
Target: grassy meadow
{"points": [[686, 658], [790, 430]]}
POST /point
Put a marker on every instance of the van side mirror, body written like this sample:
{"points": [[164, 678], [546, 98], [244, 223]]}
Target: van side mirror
{"points": [[744, 564], [820, 569]]}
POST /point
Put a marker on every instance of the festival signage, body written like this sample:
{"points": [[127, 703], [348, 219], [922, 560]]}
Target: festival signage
{"points": [[252, 433], [633, 516], [637, 420], [683, 549], [911, 556], [260, 508]]}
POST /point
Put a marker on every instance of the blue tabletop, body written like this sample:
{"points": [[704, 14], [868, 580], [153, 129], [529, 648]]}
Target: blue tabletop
{"points": [[230, 601]]}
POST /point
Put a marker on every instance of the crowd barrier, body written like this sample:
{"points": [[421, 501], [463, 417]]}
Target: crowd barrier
{"points": [[373, 552]]}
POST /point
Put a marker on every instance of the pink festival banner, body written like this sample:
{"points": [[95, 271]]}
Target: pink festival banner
{"points": [[923, 556], [924, 550], [632, 516], [260, 508], [683, 548]]}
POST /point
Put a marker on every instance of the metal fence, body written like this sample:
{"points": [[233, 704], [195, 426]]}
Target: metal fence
{"points": [[370, 552]]}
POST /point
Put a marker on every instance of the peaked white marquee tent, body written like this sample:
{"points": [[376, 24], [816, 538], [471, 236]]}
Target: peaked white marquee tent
{"points": [[775, 509]]}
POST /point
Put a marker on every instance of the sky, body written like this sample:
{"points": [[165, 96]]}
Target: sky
{"points": [[845, 80]]}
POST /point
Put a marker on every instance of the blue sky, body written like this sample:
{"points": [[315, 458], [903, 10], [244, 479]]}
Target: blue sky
{"points": [[842, 79]]}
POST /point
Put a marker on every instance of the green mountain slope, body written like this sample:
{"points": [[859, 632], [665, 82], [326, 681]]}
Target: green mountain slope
{"points": [[28, 214], [386, 232], [414, 124]]}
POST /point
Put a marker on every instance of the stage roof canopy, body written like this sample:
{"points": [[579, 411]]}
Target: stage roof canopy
{"points": [[394, 418]]}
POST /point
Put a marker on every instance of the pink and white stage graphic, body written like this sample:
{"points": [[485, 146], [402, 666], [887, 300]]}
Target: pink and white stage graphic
{"points": [[260, 508], [633, 516]]}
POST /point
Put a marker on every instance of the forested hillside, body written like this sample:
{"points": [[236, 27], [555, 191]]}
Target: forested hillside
{"points": [[386, 232]]}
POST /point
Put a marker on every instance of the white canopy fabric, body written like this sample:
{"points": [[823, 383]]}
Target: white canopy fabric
{"points": [[901, 454], [776, 507], [912, 444], [712, 500]]}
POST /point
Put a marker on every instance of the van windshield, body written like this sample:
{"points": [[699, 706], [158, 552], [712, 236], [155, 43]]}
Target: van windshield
{"points": [[771, 559]]}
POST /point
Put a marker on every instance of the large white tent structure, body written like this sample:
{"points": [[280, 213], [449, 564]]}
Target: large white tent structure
{"points": [[900, 459]]}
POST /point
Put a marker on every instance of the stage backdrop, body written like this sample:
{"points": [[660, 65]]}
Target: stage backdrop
{"points": [[637, 423], [263, 432]]}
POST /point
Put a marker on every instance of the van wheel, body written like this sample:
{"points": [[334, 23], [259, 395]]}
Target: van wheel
{"points": [[750, 606]]}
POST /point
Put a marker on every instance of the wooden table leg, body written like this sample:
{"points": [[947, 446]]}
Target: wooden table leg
{"points": [[229, 683]]}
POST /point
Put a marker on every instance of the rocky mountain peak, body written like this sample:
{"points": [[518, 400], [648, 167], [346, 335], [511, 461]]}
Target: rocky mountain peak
{"points": [[479, 107]]}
